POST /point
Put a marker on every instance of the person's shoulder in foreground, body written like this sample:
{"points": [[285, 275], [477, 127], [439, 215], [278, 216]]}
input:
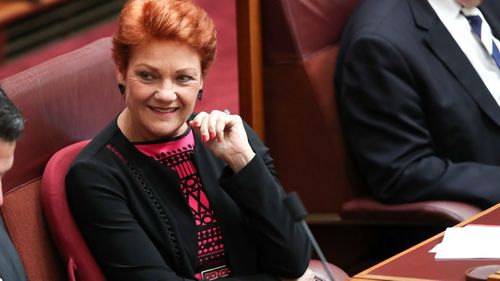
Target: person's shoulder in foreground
{"points": [[420, 122], [11, 125], [165, 194]]}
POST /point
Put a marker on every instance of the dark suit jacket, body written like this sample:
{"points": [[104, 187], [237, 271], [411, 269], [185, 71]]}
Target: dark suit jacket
{"points": [[11, 268], [418, 119], [134, 217]]}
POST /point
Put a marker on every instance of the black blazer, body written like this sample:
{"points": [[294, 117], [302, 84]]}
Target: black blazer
{"points": [[418, 119], [134, 217]]}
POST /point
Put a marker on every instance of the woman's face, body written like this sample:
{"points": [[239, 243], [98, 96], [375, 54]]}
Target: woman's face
{"points": [[162, 82]]}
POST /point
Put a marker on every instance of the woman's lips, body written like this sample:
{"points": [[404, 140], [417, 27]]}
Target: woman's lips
{"points": [[163, 109]]}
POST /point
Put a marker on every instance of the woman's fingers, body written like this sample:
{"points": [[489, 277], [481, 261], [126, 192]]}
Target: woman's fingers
{"points": [[215, 119], [211, 126], [199, 123], [222, 125]]}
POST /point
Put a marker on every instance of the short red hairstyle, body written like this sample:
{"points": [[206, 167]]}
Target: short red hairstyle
{"points": [[180, 20]]}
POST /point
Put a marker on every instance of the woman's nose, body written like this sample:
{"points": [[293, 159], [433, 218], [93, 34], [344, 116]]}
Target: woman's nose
{"points": [[167, 92]]}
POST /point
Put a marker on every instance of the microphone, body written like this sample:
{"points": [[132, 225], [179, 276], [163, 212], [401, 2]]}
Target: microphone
{"points": [[299, 213]]}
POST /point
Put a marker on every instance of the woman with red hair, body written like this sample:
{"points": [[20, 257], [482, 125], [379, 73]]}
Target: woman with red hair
{"points": [[166, 194]]}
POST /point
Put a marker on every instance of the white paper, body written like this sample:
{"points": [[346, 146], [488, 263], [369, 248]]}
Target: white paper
{"points": [[469, 242]]}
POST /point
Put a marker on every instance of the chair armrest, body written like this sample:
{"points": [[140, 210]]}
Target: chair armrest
{"points": [[418, 213]]}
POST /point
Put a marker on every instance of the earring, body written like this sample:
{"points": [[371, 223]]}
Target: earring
{"points": [[121, 88], [200, 94]]}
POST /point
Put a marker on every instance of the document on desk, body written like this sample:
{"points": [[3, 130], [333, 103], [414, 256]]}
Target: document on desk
{"points": [[469, 242]]}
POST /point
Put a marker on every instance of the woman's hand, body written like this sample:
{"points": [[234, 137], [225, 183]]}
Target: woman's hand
{"points": [[309, 275], [224, 134]]}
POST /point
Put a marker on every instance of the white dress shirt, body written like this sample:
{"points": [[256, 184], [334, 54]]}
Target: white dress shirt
{"points": [[449, 12]]}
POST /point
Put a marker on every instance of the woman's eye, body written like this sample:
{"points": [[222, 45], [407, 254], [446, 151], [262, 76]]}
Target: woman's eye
{"points": [[146, 76], [185, 78]]}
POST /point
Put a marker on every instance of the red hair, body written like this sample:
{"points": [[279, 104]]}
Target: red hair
{"points": [[180, 20]]}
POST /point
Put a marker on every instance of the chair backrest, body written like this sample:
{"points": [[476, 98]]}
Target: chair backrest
{"points": [[62, 102], [300, 44], [79, 261]]}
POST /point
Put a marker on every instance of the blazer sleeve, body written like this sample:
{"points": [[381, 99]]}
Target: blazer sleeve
{"points": [[386, 125], [118, 242], [283, 246]]}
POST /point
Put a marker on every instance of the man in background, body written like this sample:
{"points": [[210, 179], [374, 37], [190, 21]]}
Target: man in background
{"points": [[419, 95], [11, 125]]}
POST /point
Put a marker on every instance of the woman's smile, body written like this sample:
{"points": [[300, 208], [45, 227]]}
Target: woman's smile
{"points": [[163, 110]]}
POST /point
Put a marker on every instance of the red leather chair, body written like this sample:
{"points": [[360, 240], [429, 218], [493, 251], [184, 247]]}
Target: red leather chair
{"points": [[300, 45], [62, 102], [77, 257]]}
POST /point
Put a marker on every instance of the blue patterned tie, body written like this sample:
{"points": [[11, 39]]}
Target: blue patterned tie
{"points": [[476, 23]]}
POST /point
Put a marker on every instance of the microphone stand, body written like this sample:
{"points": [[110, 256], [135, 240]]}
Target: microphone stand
{"points": [[299, 213]]}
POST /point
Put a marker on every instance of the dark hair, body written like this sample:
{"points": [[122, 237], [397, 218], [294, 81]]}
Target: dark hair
{"points": [[11, 121]]}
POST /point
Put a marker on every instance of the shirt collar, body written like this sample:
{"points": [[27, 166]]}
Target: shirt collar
{"points": [[446, 8]]}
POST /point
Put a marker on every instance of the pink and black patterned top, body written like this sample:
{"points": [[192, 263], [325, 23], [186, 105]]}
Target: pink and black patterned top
{"points": [[177, 154]]}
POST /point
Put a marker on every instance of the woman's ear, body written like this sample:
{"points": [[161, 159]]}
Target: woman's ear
{"points": [[121, 82], [119, 76], [200, 91]]}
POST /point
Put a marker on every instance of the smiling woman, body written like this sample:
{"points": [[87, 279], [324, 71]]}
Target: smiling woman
{"points": [[165, 194]]}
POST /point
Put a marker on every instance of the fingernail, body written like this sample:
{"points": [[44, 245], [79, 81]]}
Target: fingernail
{"points": [[205, 138], [195, 123], [219, 140], [212, 135]]}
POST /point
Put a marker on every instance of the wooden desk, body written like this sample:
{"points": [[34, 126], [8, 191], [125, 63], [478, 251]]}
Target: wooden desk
{"points": [[417, 264]]}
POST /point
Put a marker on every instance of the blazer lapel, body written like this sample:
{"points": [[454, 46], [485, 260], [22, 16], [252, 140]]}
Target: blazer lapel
{"points": [[447, 50]]}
